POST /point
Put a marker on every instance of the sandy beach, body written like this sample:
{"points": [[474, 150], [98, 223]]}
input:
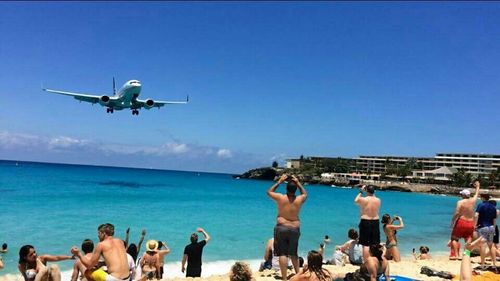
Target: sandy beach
{"points": [[408, 267]]}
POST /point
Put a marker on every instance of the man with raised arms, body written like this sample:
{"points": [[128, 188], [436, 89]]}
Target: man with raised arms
{"points": [[369, 226], [462, 222], [114, 254], [287, 229]]}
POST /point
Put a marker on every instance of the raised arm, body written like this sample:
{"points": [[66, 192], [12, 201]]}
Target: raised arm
{"points": [[477, 185], [302, 190], [359, 197], [126, 237], [397, 226], [271, 191], [205, 234], [141, 239]]}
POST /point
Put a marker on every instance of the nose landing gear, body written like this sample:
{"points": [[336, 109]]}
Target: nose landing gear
{"points": [[135, 112], [109, 110]]}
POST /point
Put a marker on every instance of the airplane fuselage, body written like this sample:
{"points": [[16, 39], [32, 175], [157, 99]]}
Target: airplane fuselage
{"points": [[127, 95]]}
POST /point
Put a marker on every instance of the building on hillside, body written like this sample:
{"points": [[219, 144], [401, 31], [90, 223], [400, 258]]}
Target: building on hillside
{"points": [[440, 174], [293, 163]]}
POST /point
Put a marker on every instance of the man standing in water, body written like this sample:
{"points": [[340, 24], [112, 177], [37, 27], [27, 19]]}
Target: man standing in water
{"points": [[192, 254], [113, 251], [287, 229], [369, 226], [462, 222]]}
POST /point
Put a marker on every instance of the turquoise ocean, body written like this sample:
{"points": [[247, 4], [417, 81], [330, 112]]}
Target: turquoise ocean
{"points": [[56, 206]]}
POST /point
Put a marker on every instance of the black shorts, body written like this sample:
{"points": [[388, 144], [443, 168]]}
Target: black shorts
{"points": [[369, 232], [286, 240], [193, 272], [161, 272]]}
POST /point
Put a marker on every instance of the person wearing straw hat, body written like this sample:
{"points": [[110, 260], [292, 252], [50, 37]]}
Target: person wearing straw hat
{"points": [[149, 262]]}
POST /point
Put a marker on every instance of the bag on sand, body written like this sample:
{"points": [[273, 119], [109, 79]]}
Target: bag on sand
{"points": [[431, 272]]}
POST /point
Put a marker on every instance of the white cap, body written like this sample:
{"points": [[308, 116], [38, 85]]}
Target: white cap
{"points": [[465, 192]]}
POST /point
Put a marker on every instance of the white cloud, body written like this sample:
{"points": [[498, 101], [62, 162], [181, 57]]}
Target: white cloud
{"points": [[66, 142], [224, 153]]}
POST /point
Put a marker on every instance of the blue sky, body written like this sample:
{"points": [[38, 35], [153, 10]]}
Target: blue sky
{"points": [[266, 80]]}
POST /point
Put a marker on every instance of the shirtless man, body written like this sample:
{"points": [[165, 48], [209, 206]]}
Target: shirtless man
{"points": [[114, 254], [78, 268], [369, 227], [462, 222], [287, 229]]}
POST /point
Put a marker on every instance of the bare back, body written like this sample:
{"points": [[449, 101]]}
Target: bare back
{"points": [[288, 210], [115, 257], [369, 207], [465, 208]]}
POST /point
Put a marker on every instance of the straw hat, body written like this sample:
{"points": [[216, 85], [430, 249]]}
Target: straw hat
{"points": [[152, 245]]}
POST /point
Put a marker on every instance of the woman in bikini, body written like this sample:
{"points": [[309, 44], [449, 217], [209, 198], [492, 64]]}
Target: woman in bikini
{"points": [[33, 267], [150, 263], [390, 230]]}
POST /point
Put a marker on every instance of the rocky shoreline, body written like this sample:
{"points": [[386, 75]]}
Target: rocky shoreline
{"points": [[273, 173]]}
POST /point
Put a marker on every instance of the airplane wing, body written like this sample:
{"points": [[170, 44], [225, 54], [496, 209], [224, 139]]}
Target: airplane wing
{"points": [[149, 103], [80, 97]]}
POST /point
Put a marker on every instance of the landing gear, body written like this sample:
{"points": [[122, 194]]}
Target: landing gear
{"points": [[109, 110], [135, 112]]}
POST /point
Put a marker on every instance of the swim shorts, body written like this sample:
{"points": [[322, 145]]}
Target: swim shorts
{"points": [[101, 275], [495, 238], [193, 271], [286, 240], [369, 232], [463, 229], [487, 233]]}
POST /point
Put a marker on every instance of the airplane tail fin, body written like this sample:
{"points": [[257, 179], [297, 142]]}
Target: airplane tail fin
{"points": [[114, 86], [187, 99]]}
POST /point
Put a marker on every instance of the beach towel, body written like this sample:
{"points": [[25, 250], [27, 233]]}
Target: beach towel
{"points": [[486, 276], [398, 278]]}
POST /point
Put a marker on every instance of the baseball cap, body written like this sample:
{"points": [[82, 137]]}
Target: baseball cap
{"points": [[465, 192]]}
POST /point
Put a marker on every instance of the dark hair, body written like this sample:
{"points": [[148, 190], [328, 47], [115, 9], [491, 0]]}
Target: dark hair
{"points": [[376, 251], [107, 228], [240, 271], [326, 237], [194, 238], [315, 264], [370, 189], [87, 246], [385, 219], [301, 261], [132, 251], [291, 187], [4, 246], [352, 234], [160, 244], [424, 249], [485, 196], [23, 253]]}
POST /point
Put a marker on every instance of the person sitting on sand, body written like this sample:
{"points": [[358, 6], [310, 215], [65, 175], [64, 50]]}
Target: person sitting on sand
{"points": [[372, 268], [240, 271], [462, 222], [150, 264], [424, 253], [4, 248], [352, 248], [34, 267], [390, 230], [313, 270], [270, 260], [113, 252], [161, 255], [78, 268]]}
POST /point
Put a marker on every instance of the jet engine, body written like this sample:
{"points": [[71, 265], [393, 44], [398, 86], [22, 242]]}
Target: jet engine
{"points": [[104, 100], [149, 103]]}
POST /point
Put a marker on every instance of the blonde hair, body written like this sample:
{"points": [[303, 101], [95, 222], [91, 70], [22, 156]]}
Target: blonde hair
{"points": [[240, 271]]}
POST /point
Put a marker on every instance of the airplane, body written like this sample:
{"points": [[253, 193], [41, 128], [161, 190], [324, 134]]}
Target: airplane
{"points": [[126, 97]]}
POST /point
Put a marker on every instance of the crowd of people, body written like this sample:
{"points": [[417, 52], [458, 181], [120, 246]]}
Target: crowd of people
{"points": [[114, 259]]}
